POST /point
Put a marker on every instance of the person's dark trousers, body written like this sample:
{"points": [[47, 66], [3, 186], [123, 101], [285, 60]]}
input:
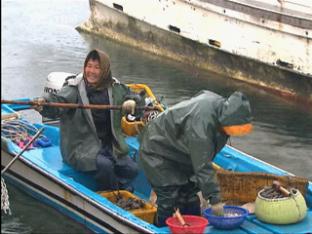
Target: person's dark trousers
{"points": [[112, 173], [183, 197]]}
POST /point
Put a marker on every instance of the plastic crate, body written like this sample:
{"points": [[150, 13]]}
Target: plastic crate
{"points": [[131, 128], [146, 213]]}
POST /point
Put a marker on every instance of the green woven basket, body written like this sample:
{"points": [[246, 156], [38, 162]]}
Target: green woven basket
{"points": [[285, 210]]}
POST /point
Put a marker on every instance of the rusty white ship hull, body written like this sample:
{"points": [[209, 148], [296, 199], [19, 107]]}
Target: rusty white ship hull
{"points": [[265, 43]]}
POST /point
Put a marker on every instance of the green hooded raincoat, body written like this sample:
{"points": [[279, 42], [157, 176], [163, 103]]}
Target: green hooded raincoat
{"points": [[79, 141], [179, 145]]}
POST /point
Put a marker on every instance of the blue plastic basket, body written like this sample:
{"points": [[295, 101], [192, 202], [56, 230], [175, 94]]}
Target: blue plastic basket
{"points": [[223, 222]]}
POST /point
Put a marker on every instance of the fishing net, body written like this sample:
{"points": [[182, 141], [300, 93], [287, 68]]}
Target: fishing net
{"points": [[242, 187]]}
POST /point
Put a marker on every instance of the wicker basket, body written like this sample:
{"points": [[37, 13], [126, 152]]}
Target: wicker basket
{"points": [[285, 210], [238, 188]]}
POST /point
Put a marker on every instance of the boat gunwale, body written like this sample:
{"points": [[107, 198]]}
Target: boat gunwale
{"points": [[44, 171], [66, 186]]}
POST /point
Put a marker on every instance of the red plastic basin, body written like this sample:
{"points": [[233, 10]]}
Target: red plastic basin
{"points": [[197, 224]]}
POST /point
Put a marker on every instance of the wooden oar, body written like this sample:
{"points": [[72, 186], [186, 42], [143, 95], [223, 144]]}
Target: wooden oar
{"points": [[180, 218], [73, 105], [277, 185], [7, 116]]}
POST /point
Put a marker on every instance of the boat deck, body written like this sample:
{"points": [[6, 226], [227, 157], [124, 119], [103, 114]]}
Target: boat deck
{"points": [[50, 161]]}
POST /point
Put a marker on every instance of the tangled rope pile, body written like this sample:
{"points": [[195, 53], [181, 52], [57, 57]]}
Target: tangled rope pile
{"points": [[150, 115], [23, 134], [19, 131]]}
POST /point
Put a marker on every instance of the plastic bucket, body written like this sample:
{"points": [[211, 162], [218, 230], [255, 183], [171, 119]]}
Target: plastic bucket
{"points": [[197, 224], [227, 223], [284, 210]]}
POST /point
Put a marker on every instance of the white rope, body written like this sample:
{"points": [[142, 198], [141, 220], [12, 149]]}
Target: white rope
{"points": [[5, 203], [152, 115], [17, 131]]}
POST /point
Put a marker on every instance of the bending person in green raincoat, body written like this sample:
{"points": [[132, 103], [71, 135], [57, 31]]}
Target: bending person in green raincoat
{"points": [[177, 149]]}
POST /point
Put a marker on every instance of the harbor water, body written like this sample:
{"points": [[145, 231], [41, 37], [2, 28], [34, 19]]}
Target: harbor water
{"points": [[39, 37]]}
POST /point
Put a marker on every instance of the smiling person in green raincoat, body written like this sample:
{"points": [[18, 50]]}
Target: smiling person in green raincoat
{"points": [[92, 140], [177, 149]]}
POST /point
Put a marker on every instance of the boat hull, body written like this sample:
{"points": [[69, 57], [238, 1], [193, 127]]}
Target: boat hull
{"points": [[272, 72], [66, 199], [42, 173]]}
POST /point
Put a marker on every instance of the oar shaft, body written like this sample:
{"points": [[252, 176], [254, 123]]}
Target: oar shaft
{"points": [[23, 150], [62, 105], [74, 105]]}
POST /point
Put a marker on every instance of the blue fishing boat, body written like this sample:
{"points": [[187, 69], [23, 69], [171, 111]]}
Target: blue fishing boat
{"points": [[41, 172]]}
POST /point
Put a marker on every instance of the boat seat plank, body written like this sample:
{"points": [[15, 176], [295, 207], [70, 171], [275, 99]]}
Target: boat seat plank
{"points": [[50, 159], [298, 228], [252, 228], [239, 160], [210, 229]]}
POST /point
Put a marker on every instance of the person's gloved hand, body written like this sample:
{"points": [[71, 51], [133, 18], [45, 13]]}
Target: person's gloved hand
{"points": [[38, 103], [129, 107], [218, 209]]}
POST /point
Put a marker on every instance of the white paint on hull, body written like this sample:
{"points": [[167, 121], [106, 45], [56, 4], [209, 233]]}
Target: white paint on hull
{"points": [[238, 32], [59, 189]]}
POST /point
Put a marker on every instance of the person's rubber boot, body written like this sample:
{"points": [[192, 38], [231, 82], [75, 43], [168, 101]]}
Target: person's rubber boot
{"points": [[129, 189], [191, 208], [160, 221], [126, 186]]}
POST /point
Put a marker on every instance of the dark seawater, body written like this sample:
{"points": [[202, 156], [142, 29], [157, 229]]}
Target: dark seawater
{"points": [[39, 37]]}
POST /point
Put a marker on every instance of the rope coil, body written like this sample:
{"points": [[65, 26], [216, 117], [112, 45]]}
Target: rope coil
{"points": [[23, 134], [5, 202]]}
